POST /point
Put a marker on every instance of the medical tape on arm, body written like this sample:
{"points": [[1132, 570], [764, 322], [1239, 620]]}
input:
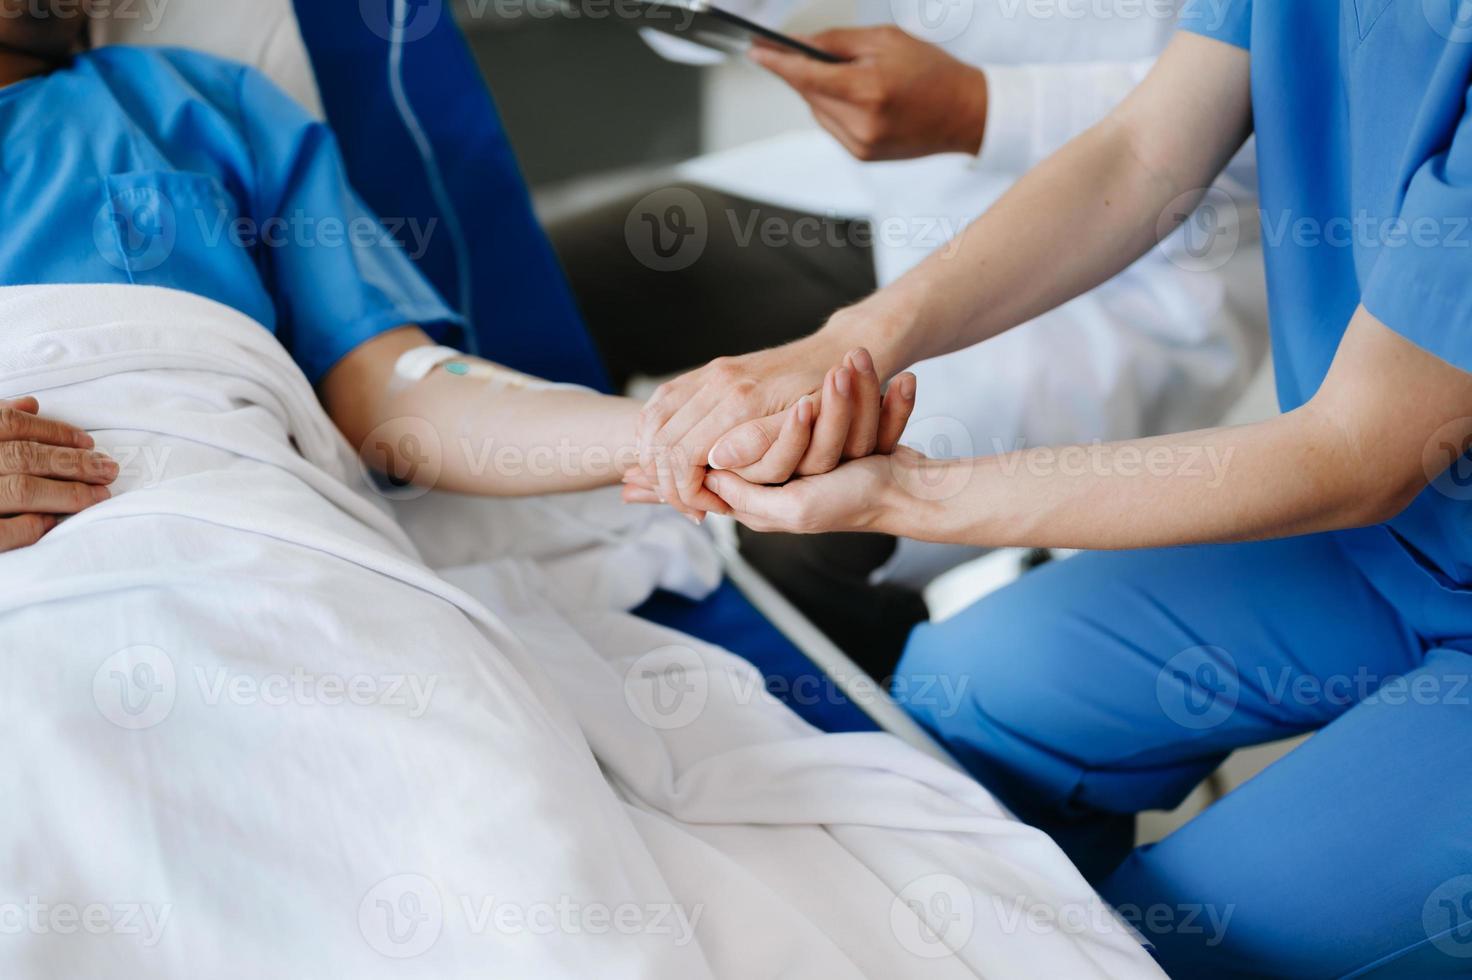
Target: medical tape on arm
{"points": [[485, 381], [417, 364]]}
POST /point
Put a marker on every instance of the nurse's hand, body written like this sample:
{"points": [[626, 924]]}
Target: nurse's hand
{"points": [[893, 98], [47, 468], [848, 418], [732, 414], [858, 496]]}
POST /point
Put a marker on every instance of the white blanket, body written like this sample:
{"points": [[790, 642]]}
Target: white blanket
{"points": [[248, 733]]}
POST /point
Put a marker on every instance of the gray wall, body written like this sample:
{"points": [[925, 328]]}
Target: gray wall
{"points": [[581, 96]]}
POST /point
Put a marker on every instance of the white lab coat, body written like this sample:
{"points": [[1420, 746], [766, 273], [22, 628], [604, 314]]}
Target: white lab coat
{"points": [[1157, 349]]}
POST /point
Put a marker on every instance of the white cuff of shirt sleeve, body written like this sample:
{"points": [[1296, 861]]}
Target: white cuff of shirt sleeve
{"points": [[1011, 119]]}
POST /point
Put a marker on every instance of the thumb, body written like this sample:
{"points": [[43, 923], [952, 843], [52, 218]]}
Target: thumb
{"points": [[746, 444], [729, 487], [745, 499], [807, 75], [846, 42], [759, 508]]}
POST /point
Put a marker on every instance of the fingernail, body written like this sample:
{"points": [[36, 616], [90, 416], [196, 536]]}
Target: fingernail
{"points": [[907, 387], [862, 361], [85, 441], [844, 381], [722, 457], [805, 410], [697, 521], [100, 494]]}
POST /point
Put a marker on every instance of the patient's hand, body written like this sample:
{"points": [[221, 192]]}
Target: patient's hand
{"points": [[47, 468], [849, 417]]}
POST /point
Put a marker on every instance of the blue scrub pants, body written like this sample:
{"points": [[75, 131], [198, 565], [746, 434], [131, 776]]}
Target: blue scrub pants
{"points": [[1114, 682]]}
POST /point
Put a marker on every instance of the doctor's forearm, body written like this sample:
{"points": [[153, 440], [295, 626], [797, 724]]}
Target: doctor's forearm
{"points": [[1038, 107], [1077, 219], [1387, 419], [1295, 474], [1071, 224]]}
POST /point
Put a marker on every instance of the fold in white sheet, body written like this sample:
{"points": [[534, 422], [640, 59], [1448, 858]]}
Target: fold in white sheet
{"points": [[250, 734]]}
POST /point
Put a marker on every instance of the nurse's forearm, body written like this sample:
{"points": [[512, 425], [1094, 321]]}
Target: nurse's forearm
{"points": [[1071, 224], [1295, 474], [1388, 418], [1076, 220]]}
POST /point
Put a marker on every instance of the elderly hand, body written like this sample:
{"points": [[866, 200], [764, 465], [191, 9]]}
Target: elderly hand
{"points": [[893, 98], [46, 468], [848, 418]]}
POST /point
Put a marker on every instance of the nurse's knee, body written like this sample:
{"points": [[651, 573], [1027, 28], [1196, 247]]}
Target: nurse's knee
{"points": [[1005, 661]]}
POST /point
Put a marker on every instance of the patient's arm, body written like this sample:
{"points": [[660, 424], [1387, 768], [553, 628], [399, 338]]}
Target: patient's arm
{"points": [[488, 430], [471, 434]]}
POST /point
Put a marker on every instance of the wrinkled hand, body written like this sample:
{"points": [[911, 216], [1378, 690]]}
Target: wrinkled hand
{"points": [[47, 468], [855, 497], [894, 97], [849, 418]]}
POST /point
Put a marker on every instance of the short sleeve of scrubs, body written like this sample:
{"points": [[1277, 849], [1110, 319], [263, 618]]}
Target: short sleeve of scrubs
{"points": [[337, 275], [1224, 20], [1421, 283]]}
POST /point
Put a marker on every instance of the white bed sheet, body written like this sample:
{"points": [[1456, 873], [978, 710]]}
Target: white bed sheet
{"points": [[249, 733]]}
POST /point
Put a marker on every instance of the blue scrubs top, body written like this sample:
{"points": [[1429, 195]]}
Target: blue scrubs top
{"points": [[1364, 143], [174, 168]]}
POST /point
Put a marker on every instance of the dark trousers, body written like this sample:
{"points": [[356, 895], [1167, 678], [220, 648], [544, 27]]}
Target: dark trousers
{"points": [[670, 278]]}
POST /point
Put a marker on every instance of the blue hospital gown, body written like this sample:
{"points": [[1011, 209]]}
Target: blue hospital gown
{"points": [[177, 169]]}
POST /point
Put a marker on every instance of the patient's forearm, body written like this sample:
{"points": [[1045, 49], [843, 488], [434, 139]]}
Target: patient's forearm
{"points": [[510, 443], [470, 433]]}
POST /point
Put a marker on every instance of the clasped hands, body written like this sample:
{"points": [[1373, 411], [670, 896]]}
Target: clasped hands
{"points": [[759, 437]]}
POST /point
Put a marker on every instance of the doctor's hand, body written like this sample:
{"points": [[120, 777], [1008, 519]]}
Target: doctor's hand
{"points": [[47, 468], [715, 416], [858, 496], [893, 98]]}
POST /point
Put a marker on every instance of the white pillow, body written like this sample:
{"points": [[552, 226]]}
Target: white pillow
{"points": [[263, 33]]}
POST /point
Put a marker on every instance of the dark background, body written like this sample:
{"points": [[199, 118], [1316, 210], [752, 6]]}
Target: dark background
{"points": [[581, 96]]}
